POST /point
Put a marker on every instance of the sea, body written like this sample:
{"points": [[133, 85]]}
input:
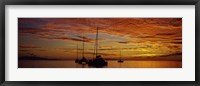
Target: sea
{"points": [[111, 64]]}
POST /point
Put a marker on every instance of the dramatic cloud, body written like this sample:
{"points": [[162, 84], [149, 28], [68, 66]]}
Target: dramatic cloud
{"points": [[137, 37]]}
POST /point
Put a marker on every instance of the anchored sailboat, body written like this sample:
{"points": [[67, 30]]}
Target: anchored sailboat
{"points": [[98, 61], [83, 60]]}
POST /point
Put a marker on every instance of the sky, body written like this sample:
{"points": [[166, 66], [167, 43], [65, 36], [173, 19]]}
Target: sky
{"points": [[62, 38]]}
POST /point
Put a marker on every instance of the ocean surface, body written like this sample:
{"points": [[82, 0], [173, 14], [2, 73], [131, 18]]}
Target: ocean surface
{"points": [[111, 64]]}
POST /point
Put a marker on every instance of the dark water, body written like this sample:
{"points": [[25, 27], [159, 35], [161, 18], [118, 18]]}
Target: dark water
{"points": [[111, 64]]}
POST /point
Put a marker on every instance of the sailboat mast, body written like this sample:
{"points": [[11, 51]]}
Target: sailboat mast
{"points": [[97, 42], [83, 48], [94, 54], [120, 53], [77, 51]]}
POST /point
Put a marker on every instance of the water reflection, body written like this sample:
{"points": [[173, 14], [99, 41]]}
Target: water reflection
{"points": [[111, 64]]}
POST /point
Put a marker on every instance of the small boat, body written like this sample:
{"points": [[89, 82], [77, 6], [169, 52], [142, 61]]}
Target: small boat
{"points": [[77, 60], [83, 60], [120, 61]]}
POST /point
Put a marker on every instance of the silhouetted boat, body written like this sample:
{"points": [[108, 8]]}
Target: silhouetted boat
{"points": [[77, 60], [83, 60], [98, 61], [120, 60]]}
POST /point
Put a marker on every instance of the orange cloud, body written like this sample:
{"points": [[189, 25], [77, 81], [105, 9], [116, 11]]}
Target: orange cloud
{"points": [[137, 36]]}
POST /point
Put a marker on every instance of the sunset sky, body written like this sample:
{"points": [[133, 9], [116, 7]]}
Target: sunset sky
{"points": [[58, 38]]}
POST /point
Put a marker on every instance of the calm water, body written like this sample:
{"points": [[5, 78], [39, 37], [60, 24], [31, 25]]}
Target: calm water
{"points": [[111, 64]]}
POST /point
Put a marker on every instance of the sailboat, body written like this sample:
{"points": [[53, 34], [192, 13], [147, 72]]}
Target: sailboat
{"points": [[120, 60], [83, 60], [98, 61]]}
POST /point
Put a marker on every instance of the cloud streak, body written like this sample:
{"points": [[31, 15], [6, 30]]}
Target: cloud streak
{"points": [[159, 36], [28, 46]]}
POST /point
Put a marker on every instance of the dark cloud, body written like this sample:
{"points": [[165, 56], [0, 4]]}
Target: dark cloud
{"points": [[68, 38], [174, 54], [24, 50], [176, 42], [28, 46], [165, 34], [146, 37], [42, 50], [124, 42], [178, 39]]}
